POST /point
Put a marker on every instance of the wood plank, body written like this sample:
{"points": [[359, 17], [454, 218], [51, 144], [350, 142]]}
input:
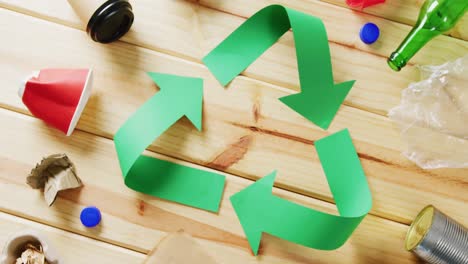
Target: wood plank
{"points": [[246, 120], [407, 11], [138, 221], [161, 25], [71, 248]]}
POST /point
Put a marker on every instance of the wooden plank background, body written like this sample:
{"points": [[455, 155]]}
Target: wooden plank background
{"points": [[247, 131]]}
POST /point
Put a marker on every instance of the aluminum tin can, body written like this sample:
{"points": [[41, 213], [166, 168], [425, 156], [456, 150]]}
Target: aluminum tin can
{"points": [[437, 239]]}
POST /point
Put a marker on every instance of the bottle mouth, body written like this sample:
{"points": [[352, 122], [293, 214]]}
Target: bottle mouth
{"points": [[396, 61], [110, 21]]}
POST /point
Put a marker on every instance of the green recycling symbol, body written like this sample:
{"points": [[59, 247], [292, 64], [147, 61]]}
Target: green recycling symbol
{"points": [[257, 208]]}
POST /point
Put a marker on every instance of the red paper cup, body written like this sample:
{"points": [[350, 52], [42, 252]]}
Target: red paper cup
{"points": [[57, 96]]}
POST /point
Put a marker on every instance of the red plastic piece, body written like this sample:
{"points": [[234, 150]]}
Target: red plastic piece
{"points": [[56, 94], [363, 3]]}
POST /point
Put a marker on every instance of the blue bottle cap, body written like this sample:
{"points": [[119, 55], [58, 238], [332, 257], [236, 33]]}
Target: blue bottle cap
{"points": [[90, 216], [369, 33]]}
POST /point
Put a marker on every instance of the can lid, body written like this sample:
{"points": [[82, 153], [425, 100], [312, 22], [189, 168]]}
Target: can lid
{"points": [[419, 228], [110, 21], [369, 33], [90, 216]]}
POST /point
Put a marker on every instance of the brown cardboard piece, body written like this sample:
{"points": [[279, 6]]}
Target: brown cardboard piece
{"points": [[179, 248], [54, 174]]}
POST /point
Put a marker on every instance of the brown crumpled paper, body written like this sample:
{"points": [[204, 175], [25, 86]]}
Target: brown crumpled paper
{"points": [[32, 255], [54, 174]]}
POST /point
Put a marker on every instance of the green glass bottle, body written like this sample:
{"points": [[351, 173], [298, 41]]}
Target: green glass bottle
{"points": [[435, 18]]}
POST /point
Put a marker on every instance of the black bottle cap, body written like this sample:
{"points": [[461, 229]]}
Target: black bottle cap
{"points": [[110, 21]]}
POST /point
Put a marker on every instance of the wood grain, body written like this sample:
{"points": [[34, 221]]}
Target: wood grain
{"points": [[139, 222], [406, 11], [247, 132], [190, 30], [71, 248], [246, 115]]}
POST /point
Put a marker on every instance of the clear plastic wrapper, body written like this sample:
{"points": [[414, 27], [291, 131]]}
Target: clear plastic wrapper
{"points": [[433, 116]]}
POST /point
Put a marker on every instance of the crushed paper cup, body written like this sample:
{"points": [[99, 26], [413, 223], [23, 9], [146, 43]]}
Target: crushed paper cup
{"points": [[363, 3], [17, 243], [57, 96]]}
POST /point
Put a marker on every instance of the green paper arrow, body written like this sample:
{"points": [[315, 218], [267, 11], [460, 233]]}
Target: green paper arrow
{"points": [[179, 96], [260, 211], [320, 98]]}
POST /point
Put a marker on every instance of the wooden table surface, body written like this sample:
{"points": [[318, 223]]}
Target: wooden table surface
{"points": [[247, 131]]}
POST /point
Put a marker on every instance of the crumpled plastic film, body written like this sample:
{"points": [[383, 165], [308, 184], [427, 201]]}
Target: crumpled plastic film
{"points": [[433, 116]]}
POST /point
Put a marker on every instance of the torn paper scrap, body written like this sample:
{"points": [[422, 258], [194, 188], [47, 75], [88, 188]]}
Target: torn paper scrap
{"points": [[179, 248], [32, 255], [53, 174], [433, 116]]}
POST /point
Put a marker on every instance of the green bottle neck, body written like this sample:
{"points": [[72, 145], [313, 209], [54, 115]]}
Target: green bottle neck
{"points": [[435, 17], [416, 39]]}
